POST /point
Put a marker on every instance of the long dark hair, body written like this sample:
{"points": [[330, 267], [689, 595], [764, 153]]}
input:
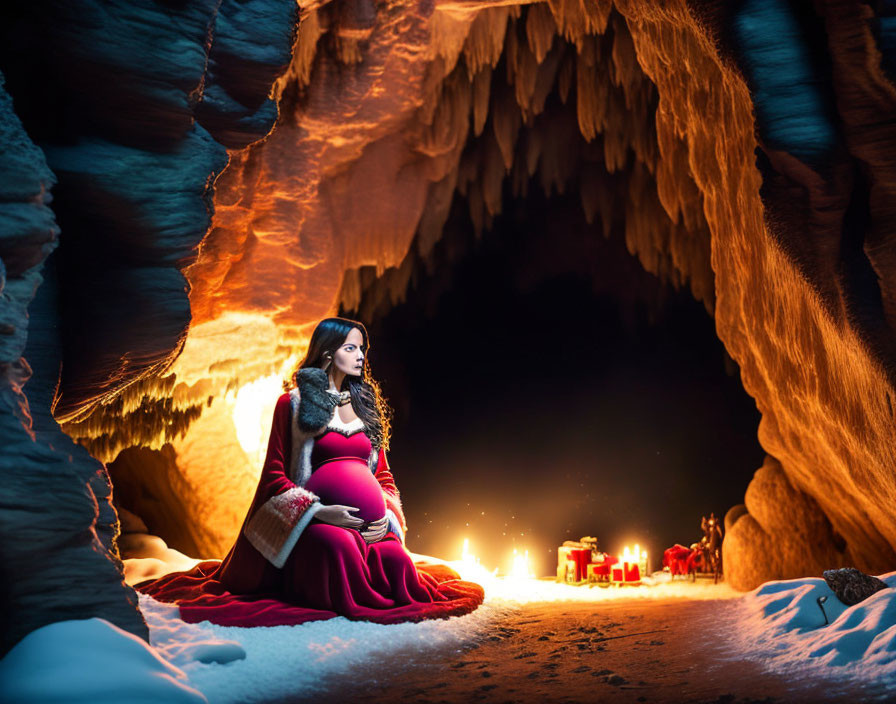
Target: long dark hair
{"points": [[367, 399]]}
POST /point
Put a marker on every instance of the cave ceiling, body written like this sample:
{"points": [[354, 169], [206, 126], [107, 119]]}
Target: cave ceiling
{"points": [[268, 164]]}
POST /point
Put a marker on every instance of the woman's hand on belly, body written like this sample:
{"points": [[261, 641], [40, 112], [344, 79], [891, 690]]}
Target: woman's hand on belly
{"points": [[339, 515], [376, 531]]}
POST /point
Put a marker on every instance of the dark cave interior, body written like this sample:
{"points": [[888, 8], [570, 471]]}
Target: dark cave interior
{"points": [[545, 387]]}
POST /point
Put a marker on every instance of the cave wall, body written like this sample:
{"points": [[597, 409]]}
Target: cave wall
{"points": [[57, 555], [801, 275], [124, 112]]}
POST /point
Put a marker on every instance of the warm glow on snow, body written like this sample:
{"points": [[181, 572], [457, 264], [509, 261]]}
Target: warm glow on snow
{"points": [[521, 586]]}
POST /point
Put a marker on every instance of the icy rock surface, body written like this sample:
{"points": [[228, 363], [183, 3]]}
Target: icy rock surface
{"points": [[852, 586], [785, 628]]}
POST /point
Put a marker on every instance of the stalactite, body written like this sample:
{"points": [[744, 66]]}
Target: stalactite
{"points": [[506, 121], [491, 175], [304, 50], [559, 157], [565, 75], [485, 41], [592, 88], [519, 175], [597, 192], [625, 71], [545, 81], [482, 83], [448, 35], [435, 214], [350, 291], [522, 68], [646, 235], [677, 192], [616, 133], [450, 124], [477, 210], [578, 18], [534, 145], [540, 30]]}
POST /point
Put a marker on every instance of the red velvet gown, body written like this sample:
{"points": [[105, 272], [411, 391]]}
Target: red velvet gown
{"points": [[330, 572]]}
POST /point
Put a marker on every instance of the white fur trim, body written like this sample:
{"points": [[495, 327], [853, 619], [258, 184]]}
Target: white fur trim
{"points": [[279, 559], [304, 468], [277, 524], [336, 423]]}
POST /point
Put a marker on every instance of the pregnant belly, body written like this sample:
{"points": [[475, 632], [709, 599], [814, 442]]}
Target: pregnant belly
{"points": [[348, 481]]}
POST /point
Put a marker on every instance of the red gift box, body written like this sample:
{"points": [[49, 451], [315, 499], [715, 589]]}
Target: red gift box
{"points": [[600, 569], [581, 558]]}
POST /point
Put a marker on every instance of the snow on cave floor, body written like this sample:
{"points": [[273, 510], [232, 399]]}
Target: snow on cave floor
{"points": [[548, 642]]}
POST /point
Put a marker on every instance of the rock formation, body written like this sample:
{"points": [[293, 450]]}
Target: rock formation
{"points": [[753, 167], [116, 122], [852, 586], [59, 558]]}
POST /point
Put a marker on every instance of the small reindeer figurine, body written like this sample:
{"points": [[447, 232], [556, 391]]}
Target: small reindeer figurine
{"points": [[711, 546]]}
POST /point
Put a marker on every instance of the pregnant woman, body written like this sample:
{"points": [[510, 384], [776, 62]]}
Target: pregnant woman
{"points": [[324, 535]]}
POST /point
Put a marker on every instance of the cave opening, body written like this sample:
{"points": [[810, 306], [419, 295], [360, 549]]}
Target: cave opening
{"points": [[516, 116], [572, 254], [545, 387]]}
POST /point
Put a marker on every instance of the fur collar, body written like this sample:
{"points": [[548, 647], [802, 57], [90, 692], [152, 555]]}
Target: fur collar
{"points": [[311, 414], [316, 408]]}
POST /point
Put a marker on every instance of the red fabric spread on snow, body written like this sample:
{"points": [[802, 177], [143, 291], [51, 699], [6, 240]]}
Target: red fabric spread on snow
{"points": [[331, 571], [422, 593]]}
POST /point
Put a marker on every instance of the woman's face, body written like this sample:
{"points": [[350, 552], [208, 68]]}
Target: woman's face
{"points": [[349, 358]]}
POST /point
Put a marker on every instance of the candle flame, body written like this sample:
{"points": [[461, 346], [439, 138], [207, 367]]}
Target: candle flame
{"points": [[520, 584], [470, 568], [521, 568]]}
